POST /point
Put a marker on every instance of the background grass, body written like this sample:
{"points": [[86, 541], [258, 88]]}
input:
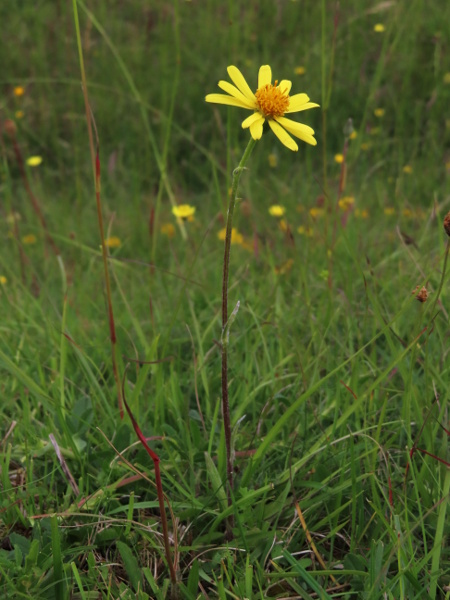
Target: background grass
{"points": [[336, 371]]}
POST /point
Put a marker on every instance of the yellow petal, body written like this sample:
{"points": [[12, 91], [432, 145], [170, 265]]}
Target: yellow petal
{"points": [[233, 91], [239, 81], [298, 107], [283, 136], [222, 99], [256, 129], [299, 130], [252, 119], [264, 76], [285, 85]]}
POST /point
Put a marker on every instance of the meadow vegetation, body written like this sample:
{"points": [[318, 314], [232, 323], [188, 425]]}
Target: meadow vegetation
{"points": [[338, 372]]}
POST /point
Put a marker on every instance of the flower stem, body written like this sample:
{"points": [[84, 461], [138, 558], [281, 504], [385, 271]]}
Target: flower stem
{"points": [[225, 330]]}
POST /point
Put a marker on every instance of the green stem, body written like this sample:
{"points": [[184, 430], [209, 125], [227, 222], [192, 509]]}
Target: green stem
{"points": [[225, 328]]}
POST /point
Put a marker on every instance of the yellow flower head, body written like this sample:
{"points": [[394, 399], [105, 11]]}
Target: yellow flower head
{"points": [[273, 160], [389, 211], [3, 280], [276, 210], [346, 202], [236, 237], [339, 158], [316, 212], [407, 169], [19, 90], [299, 70], [302, 230], [270, 103], [183, 211], [362, 213], [353, 135], [379, 28], [29, 239], [283, 225], [19, 114], [34, 161], [447, 78], [168, 229], [113, 242], [379, 112]]}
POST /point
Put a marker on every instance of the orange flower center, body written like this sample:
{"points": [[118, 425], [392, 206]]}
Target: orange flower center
{"points": [[272, 101]]}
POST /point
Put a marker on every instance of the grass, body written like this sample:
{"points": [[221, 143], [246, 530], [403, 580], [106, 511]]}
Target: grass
{"points": [[338, 376]]}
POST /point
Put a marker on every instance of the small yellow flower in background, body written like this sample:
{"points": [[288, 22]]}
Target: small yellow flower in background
{"points": [[276, 210], [365, 146], [283, 225], [183, 211], [447, 165], [346, 202], [407, 169], [273, 160], [299, 70], [113, 242], [283, 269], [11, 218], [236, 237], [302, 230], [19, 114], [19, 90], [379, 112], [34, 161], [270, 103], [3, 280], [29, 239], [316, 212], [379, 28], [361, 213], [447, 78], [389, 211], [407, 212], [168, 229], [339, 158], [353, 135]]}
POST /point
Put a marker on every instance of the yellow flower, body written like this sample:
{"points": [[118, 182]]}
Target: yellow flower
{"points": [[273, 160], [379, 112], [168, 229], [19, 90], [34, 161], [353, 135], [447, 78], [113, 242], [270, 103], [283, 225], [19, 114], [379, 28], [276, 210], [407, 212], [302, 230], [183, 211], [3, 280], [346, 202], [407, 169], [12, 217], [362, 213], [29, 239], [447, 165], [236, 237], [339, 158], [389, 211], [299, 70], [316, 212]]}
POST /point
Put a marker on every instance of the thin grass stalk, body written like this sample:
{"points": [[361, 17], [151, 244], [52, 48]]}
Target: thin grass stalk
{"points": [[95, 159], [225, 325]]}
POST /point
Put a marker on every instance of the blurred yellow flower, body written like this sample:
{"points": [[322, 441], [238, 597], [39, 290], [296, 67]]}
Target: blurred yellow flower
{"points": [[346, 202], [389, 211], [361, 213], [379, 28], [302, 230], [276, 210], [113, 242], [316, 212], [34, 161], [19, 90], [236, 237], [3, 280], [353, 135], [407, 212], [283, 225], [12, 217], [447, 165], [447, 78], [168, 229], [269, 103], [29, 239], [379, 112], [273, 160], [183, 211], [299, 70], [19, 114], [339, 158], [407, 169]]}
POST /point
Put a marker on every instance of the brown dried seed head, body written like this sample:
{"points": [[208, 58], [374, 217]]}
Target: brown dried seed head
{"points": [[447, 224], [421, 295]]}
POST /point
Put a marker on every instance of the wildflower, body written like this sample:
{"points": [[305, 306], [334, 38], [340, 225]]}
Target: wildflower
{"points": [[270, 103], [316, 212], [379, 112], [113, 242], [447, 165], [299, 70], [447, 224], [447, 78], [12, 217], [34, 161], [3, 280], [19, 114], [285, 268], [273, 160], [339, 158], [361, 213], [283, 225], [168, 229], [406, 212], [19, 90], [276, 210], [407, 169], [346, 202], [183, 211], [353, 135], [389, 211], [302, 230], [236, 237], [379, 28], [29, 239]]}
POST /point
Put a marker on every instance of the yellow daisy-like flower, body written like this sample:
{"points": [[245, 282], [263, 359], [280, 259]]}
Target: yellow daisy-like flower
{"points": [[236, 237], [29, 239], [19, 90], [34, 161], [346, 202], [276, 210], [407, 169], [379, 28], [353, 135], [270, 103], [316, 212], [183, 211], [379, 112], [113, 242], [339, 158], [299, 70], [3, 280]]}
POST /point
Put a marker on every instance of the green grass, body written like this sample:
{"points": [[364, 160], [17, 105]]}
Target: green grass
{"points": [[334, 367]]}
